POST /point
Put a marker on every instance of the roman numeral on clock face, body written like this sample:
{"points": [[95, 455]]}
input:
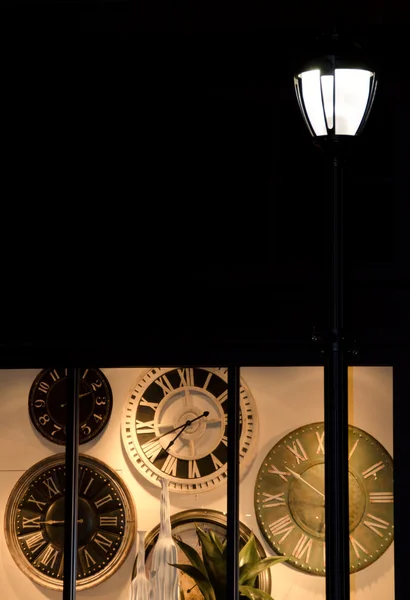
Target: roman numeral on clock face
{"points": [[298, 451], [381, 497], [35, 541], [193, 470], [272, 500], [284, 526], [164, 383], [144, 426], [170, 465], [357, 547], [320, 442], [152, 449], [375, 524], [49, 556], [373, 470], [33, 523], [187, 377], [153, 405], [89, 559], [103, 542], [102, 501], [51, 487], [282, 474], [108, 521], [303, 546], [38, 503]]}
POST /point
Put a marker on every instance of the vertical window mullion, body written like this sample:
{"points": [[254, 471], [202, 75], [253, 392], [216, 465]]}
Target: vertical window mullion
{"points": [[232, 588]]}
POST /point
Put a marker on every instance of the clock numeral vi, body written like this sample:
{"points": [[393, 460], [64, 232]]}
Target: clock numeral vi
{"points": [[49, 556]]}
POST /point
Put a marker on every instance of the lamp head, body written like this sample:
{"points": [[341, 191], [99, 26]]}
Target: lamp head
{"points": [[335, 88]]}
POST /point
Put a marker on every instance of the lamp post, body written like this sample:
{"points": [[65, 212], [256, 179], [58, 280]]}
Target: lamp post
{"points": [[335, 91]]}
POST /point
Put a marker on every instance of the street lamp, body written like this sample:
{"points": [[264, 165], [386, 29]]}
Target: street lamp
{"points": [[335, 90]]}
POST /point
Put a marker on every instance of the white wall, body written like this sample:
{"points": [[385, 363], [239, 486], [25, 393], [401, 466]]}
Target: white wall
{"points": [[286, 398]]}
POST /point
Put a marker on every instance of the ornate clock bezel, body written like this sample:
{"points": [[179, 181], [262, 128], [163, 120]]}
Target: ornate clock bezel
{"points": [[48, 425], [12, 519], [203, 478], [213, 518], [279, 518]]}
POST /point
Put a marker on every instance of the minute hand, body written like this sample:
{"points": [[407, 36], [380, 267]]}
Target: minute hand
{"points": [[304, 481]]}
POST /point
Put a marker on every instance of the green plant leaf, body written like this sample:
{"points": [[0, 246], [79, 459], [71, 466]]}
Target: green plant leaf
{"points": [[249, 556], [217, 541], [200, 579], [249, 572], [249, 553], [192, 555], [253, 593], [214, 561]]}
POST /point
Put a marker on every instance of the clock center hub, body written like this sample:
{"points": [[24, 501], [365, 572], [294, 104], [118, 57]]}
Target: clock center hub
{"points": [[87, 523], [307, 502], [196, 429], [58, 397]]}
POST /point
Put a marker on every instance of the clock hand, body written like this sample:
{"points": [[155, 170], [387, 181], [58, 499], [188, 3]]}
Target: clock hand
{"points": [[304, 481], [187, 424], [52, 522], [154, 439]]}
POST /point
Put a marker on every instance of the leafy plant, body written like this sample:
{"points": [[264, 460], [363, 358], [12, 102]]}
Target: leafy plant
{"points": [[209, 572]]}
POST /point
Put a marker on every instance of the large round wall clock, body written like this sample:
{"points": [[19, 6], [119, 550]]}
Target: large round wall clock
{"points": [[34, 522], [183, 526], [174, 426], [290, 498], [48, 399]]}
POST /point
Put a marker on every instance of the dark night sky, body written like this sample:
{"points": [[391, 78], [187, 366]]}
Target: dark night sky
{"points": [[182, 179]]}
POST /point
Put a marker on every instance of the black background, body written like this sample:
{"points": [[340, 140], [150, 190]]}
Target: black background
{"points": [[160, 186]]}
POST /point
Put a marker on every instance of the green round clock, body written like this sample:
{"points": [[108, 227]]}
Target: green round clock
{"points": [[290, 498]]}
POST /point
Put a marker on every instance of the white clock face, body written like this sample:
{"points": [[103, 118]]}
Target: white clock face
{"points": [[174, 425]]}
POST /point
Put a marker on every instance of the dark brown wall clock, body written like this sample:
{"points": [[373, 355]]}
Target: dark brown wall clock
{"points": [[34, 522], [48, 399], [290, 498], [183, 526]]}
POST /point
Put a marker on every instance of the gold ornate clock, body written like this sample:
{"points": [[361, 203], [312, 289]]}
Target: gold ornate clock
{"points": [[183, 526], [290, 498], [174, 426], [34, 522], [48, 399]]}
